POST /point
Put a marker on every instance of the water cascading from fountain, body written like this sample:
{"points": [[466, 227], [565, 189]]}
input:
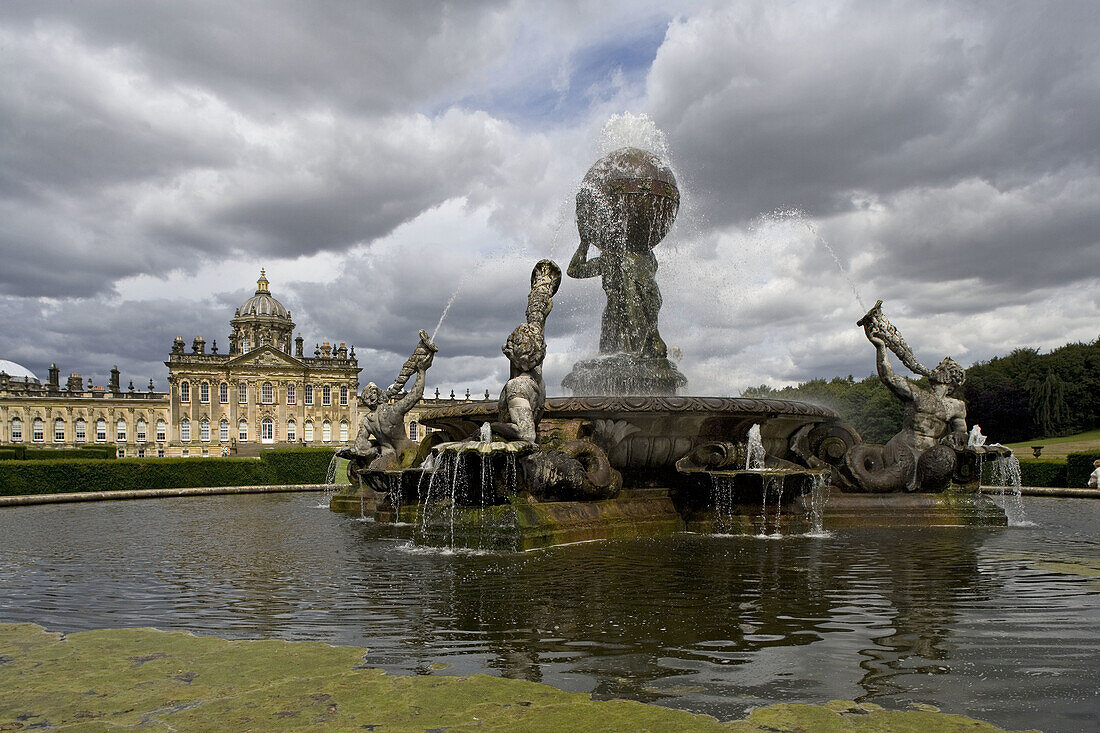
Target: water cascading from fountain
{"points": [[800, 216], [754, 450], [1005, 472], [815, 509]]}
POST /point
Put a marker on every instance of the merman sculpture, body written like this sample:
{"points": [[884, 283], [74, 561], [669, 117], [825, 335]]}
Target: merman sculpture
{"points": [[381, 441], [524, 394], [626, 205], [925, 454]]}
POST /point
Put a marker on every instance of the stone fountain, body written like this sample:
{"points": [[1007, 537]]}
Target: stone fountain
{"points": [[625, 455]]}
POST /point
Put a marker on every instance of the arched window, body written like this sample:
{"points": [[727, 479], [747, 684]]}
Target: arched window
{"points": [[326, 431], [38, 430], [204, 430], [223, 430], [308, 394], [204, 392], [185, 391], [309, 431], [291, 394], [343, 394], [59, 431], [185, 430], [120, 430], [326, 395], [242, 430], [267, 393], [80, 430], [139, 430], [291, 431], [223, 393], [413, 430], [267, 430], [343, 431], [100, 430], [162, 431], [242, 392], [16, 430]]}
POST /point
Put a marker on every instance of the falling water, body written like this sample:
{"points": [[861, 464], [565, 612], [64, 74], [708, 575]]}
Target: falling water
{"points": [[975, 439], [816, 507], [1005, 472], [330, 480], [800, 216], [722, 492], [754, 450], [486, 433]]}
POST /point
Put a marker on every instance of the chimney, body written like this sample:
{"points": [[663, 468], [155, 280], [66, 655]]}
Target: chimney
{"points": [[198, 346], [54, 382], [114, 387]]}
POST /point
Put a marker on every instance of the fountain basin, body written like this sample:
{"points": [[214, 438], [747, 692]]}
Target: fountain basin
{"points": [[644, 436]]}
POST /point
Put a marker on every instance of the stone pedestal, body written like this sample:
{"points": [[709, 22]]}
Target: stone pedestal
{"points": [[624, 374]]}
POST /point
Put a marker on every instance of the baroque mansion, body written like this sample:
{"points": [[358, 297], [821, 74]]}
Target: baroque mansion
{"points": [[265, 392]]}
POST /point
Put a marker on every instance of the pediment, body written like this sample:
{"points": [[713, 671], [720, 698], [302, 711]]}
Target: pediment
{"points": [[266, 356]]}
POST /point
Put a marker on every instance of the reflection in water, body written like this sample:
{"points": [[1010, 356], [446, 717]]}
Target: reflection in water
{"points": [[956, 617]]}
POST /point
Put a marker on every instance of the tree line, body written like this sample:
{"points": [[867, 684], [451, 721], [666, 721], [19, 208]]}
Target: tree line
{"points": [[1015, 397]]}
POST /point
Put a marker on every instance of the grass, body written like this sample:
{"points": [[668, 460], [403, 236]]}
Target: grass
{"points": [[1059, 447]]}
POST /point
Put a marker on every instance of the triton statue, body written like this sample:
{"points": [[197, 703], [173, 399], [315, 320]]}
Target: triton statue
{"points": [[381, 440], [923, 456]]}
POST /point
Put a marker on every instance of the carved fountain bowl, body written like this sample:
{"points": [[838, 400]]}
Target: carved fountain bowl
{"points": [[650, 433]]}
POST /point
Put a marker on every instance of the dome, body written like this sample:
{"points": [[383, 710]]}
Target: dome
{"points": [[262, 303], [17, 371]]}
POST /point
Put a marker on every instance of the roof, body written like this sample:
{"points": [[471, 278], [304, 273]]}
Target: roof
{"points": [[17, 371]]}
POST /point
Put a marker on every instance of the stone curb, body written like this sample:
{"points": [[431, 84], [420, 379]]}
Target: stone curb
{"points": [[29, 499], [1048, 491]]}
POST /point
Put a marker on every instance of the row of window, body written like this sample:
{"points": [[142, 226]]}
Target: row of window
{"points": [[267, 393], [80, 430]]}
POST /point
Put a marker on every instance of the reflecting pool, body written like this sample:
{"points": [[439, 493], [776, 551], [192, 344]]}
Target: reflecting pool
{"points": [[1001, 624]]}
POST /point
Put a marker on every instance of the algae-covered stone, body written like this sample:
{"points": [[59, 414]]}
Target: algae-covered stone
{"points": [[143, 678]]}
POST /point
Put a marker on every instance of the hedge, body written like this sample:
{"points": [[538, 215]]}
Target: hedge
{"points": [[23, 453], [298, 465], [274, 467], [1078, 468], [1035, 472]]}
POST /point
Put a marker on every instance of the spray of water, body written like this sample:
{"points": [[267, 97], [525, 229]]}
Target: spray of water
{"points": [[800, 216]]}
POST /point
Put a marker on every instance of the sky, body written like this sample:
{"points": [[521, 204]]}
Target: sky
{"points": [[381, 160]]}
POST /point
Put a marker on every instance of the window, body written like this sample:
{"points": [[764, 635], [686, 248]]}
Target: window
{"points": [[120, 430], [242, 392], [309, 431], [413, 429], [185, 391], [185, 453], [204, 430], [100, 430], [291, 431], [80, 430], [139, 430], [141, 452], [326, 395], [242, 430], [204, 392], [244, 346], [343, 431], [267, 393], [223, 393], [185, 430], [162, 431], [343, 394], [38, 430], [121, 453], [309, 394], [326, 431], [160, 453], [205, 452], [59, 430], [16, 430], [291, 394], [223, 430], [267, 430]]}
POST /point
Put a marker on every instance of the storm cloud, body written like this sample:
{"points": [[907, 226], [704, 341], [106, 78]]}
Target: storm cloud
{"points": [[379, 159]]}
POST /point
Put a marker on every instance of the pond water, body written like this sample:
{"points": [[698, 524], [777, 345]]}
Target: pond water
{"points": [[1002, 624]]}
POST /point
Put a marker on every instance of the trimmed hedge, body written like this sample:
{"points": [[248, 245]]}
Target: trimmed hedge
{"points": [[274, 467], [1036, 472], [23, 453], [298, 465], [1078, 468]]}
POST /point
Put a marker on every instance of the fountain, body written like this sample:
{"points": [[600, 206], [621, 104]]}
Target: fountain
{"points": [[626, 455]]}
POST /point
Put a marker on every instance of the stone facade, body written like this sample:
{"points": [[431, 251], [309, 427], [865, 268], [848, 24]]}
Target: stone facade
{"points": [[259, 395]]}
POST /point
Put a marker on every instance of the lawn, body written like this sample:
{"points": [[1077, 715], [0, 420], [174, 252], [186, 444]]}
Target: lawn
{"points": [[1060, 447]]}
